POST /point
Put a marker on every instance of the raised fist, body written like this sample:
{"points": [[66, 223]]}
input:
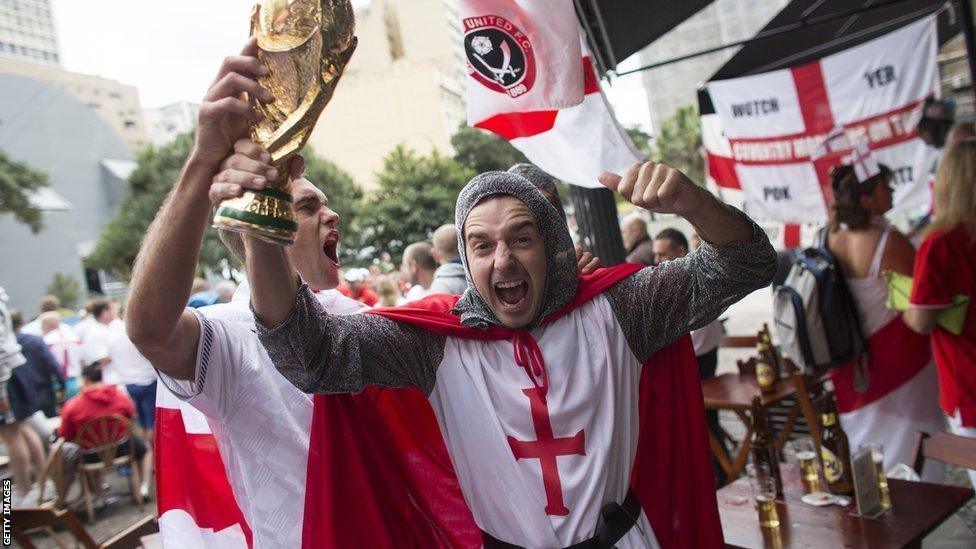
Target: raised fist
{"points": [[656, 187]]}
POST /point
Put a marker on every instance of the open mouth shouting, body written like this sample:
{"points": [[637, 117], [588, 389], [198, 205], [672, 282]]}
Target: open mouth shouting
{"points": [[331, 247], [512, 294]]}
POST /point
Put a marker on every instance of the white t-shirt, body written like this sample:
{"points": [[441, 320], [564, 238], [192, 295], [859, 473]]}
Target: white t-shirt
{"points": [[83, 325], [260, 420], [413, 294], [128, 363], [95, 346], [65, 345], [708, 338]]}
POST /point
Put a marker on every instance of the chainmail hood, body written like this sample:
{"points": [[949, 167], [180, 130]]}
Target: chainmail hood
{"points": [[561, 267]]}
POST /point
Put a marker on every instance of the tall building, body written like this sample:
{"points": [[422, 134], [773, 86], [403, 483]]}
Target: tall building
{"points": [[404, 85], [86, 163], [117, 103], [27, 31], [673, 86], [165, 123]]}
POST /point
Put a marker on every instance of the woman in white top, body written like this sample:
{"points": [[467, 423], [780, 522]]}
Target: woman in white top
{"points": [[902, 394]]}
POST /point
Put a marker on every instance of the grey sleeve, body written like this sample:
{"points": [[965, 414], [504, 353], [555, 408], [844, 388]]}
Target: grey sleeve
{"points": [[323, 353], [658, 304]]}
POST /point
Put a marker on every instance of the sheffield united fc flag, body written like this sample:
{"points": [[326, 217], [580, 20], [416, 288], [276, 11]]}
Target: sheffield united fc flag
{"points": [[531, 82]]}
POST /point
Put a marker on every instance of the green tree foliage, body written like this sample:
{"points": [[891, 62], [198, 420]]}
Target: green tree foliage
{"points": [[158, 169], [484, 151], [17, 182], [66, 288], [415, 196], [679, 144], [641, 139], [156, 172]]}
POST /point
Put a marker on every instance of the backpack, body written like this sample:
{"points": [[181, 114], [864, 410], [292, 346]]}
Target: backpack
{"points": [[816, 317]]}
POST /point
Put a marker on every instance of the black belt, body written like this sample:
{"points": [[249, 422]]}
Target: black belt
{"points": [[617, 521]]}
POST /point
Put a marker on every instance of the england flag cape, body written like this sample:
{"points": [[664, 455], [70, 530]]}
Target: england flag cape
{"points": [[379, 474]]}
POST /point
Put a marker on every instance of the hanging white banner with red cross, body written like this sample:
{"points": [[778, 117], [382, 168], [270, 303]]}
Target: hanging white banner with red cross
{"points": [[774, 135]]}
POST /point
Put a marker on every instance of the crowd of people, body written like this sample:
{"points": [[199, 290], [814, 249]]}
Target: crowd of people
{"points": [[70, 368]]}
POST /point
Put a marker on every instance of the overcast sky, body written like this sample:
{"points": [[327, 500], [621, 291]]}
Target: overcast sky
{"points": [[171, 49]]}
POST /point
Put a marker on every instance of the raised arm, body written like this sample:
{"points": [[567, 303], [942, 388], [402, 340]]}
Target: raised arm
{"points": [[157, 320], [658, 304], [323, 353]]}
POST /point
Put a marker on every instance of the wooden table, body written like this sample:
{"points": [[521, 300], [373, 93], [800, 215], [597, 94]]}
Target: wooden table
{"points": [[917, 509], [735, 392]]}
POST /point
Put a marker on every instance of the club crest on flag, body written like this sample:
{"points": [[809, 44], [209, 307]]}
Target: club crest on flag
{"points": [[499, 55]]}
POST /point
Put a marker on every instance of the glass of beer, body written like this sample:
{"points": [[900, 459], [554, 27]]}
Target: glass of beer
{"points": [[764, 490], [877, 455], [809, 466]]}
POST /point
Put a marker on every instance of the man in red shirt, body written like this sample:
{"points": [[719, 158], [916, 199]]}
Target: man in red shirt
{"points": [[356, 287], [98, 400]]}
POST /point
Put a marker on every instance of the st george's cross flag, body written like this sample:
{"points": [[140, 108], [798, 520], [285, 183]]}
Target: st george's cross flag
{"points": [[568, 130], [774, 137]]}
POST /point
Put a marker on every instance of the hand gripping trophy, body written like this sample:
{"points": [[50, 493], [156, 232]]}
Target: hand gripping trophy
{"points": [[305, 44]]}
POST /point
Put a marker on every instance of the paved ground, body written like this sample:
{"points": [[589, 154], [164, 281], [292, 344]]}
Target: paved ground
{"points": [[119, 514]]}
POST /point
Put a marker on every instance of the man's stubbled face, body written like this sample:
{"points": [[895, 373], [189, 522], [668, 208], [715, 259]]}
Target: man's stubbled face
{"points": [[507, 258], [666, 250], [315, 251]]}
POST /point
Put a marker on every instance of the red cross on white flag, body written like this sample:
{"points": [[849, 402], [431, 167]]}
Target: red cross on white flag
{"points": [[776, 135], [865, 164]]}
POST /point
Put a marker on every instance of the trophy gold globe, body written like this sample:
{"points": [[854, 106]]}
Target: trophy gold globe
{"points": [[306, 45]]}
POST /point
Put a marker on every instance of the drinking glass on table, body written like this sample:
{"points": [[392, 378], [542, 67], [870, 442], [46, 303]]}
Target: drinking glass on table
{"points": [[807, 463], [764, 490], [877, 455]]}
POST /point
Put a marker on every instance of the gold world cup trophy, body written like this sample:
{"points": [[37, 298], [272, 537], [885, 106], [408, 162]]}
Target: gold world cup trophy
{"points": [[305, 44]]}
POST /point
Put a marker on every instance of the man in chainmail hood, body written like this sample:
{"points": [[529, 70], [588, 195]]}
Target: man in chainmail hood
{"points": [[569, 405], [556, 285]]}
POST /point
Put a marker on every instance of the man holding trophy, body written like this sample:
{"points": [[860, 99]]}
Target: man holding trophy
{"points": [[211, 357]]}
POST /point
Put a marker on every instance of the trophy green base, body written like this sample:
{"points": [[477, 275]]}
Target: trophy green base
{"points": [[263, 214]]}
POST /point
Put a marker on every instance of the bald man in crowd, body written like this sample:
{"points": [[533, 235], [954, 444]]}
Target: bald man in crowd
{"points": [[418, 268], [637, 242], [449, 276]]}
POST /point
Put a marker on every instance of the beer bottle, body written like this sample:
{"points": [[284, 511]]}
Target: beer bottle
{"points": [[773, 350], [766, 374], [763, 445], [835, 451]]}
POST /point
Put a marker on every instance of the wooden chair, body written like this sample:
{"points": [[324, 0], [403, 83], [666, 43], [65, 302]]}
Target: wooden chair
{"points": [[102, 437], [944, 447], [25, 519], [131, 537], [54, 470], [47, 519]]}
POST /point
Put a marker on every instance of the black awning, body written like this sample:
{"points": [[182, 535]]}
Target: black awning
{"points": [[806, 30], [617, 29]]}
